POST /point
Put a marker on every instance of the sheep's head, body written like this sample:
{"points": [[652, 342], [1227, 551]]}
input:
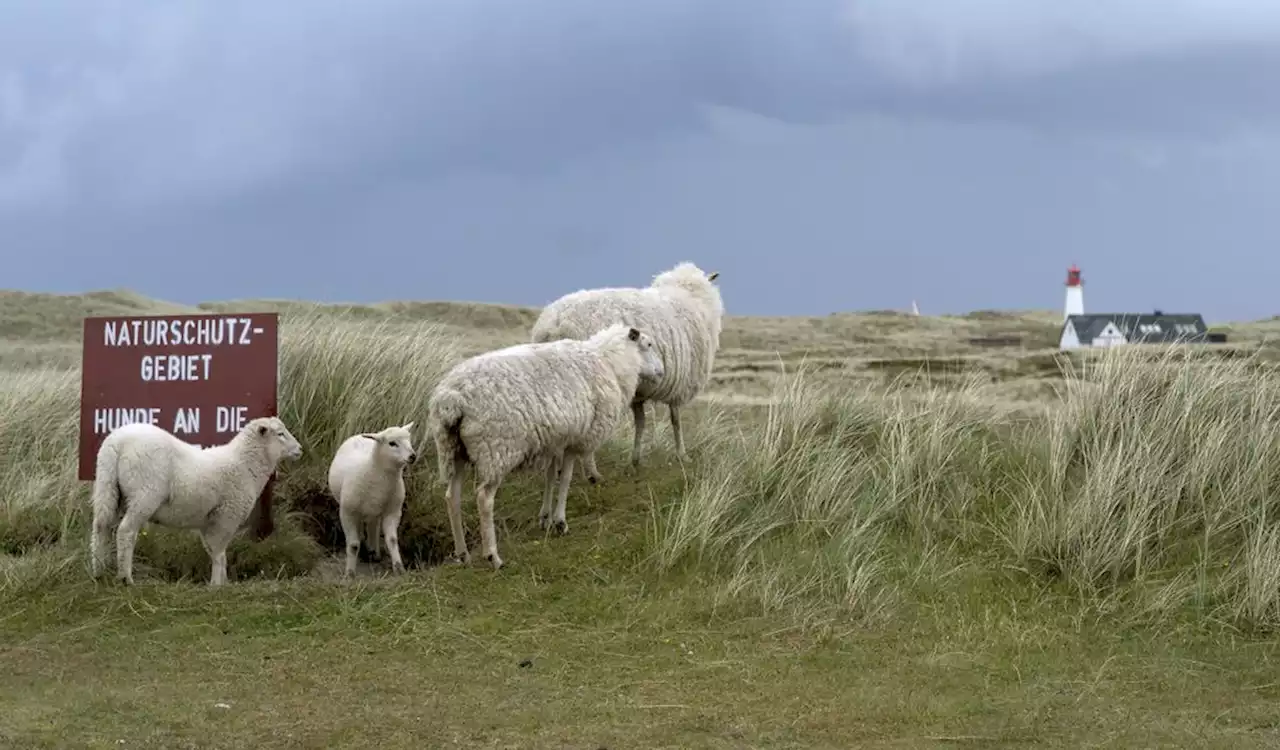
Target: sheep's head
{"points": [[650, 359], [695, 281], [686, 275], [394, 444], [279, 441]]}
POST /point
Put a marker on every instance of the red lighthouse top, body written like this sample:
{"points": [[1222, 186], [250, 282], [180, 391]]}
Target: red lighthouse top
{"points": [[1073, 276]]}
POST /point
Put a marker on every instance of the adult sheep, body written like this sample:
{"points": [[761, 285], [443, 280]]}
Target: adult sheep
{"points": [[527, 404], [366, 477], [681, 309], [145, 474]]}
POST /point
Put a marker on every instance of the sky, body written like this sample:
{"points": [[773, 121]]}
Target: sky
{"points": [[822, 155]]}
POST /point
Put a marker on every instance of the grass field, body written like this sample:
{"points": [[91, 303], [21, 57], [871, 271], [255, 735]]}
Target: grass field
{"points": [[890, 532]]}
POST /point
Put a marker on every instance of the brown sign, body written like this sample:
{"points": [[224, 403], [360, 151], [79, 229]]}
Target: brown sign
{"points": [[201, 377]]}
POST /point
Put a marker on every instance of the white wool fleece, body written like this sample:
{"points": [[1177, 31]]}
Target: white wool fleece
{"points": [[145, 474], [528, 403], [682, 311], [366, 478]]}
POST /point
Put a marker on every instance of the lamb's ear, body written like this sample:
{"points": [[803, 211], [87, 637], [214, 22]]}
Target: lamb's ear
{"points": [[713, 276], [370, 435], [407, 427], [633, 334], [262, 429]]}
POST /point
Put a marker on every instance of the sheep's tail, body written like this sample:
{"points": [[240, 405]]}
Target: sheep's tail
{"points": [[445, 419], [106, 494]]}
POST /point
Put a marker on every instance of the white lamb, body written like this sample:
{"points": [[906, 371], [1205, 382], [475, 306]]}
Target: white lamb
{"points": [[528, 404], [145, 474], [681, 309], [366, 477]]}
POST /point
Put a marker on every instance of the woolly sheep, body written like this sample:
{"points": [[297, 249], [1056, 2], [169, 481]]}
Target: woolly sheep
{"points": [[145, 474], [528, 404], [366, 477], [681, 309]]}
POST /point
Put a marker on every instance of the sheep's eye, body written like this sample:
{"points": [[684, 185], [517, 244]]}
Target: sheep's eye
{"points": [[392, 444]]}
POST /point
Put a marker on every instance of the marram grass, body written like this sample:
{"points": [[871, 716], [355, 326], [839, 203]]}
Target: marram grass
{"points": [[1146, 485]]}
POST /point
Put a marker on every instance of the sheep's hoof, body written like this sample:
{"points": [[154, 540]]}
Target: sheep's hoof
{"points": [[544, 520], [397, 567], [592, 479], [459, 558], [562, 527], [494, 560]]}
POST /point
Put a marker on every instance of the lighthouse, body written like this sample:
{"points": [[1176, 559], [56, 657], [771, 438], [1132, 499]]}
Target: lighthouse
{"points": [[1075, 294]]}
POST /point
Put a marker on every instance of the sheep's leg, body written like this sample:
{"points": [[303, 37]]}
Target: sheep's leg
{"points": [[566, 476], [548, 492], [216, 538], [589, 469], [126, 538], [453, 502], [100, 542], [675, 430], [488, 538], [389, 524], [373, 538], [351, 535], [637, 411]]}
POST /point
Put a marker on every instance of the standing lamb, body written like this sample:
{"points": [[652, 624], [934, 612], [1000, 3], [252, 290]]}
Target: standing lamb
{"points": [[531, 403], [366, 477], [681, 309], [145, 474]]}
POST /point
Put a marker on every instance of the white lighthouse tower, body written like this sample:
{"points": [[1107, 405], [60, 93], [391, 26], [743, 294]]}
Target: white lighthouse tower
{"points": [[1075, 294]]}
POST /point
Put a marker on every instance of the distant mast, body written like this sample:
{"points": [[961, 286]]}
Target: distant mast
{"points": [[1075, 293]]}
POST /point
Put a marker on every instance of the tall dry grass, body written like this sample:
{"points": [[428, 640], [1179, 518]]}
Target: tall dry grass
{"points": [[338, 375], [1148, 483]]}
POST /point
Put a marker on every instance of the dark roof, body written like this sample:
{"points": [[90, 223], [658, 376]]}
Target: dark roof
{"points": [[1141, 327]]}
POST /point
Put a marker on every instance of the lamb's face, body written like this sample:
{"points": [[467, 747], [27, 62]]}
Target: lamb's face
{"points": [[395, 444], [650, 359], [280, 442]]}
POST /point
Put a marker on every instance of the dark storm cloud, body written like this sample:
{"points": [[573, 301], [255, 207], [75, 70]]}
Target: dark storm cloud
{"points": [[823, 154], [134, 102]]}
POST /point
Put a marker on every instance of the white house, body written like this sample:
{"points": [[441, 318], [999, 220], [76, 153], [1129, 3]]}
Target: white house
{"points": [[1117, 329]]}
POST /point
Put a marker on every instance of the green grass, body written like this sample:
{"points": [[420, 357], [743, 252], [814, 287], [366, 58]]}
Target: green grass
{"points": [[912, 562]]}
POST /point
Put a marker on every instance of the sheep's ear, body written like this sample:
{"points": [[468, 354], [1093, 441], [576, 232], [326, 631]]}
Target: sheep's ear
{"points": [[370, 435], [713, 276], [262, 429], [407, 427], [633, 334]]}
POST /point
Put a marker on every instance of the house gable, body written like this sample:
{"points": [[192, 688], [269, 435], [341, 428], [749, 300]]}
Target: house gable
{"points": [[1068, 339]]}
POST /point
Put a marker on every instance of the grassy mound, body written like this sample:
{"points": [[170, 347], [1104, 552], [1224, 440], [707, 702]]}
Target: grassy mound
{"points": [[1146, 486], [1150, 483], [338, 376], [965, 554]]}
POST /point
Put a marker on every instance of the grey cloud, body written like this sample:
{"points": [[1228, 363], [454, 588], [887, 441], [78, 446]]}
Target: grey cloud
{"points": [[824, 154], [133, 103]]}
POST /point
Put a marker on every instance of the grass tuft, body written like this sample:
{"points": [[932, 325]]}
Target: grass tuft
{"points": [[1147, 473]]}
